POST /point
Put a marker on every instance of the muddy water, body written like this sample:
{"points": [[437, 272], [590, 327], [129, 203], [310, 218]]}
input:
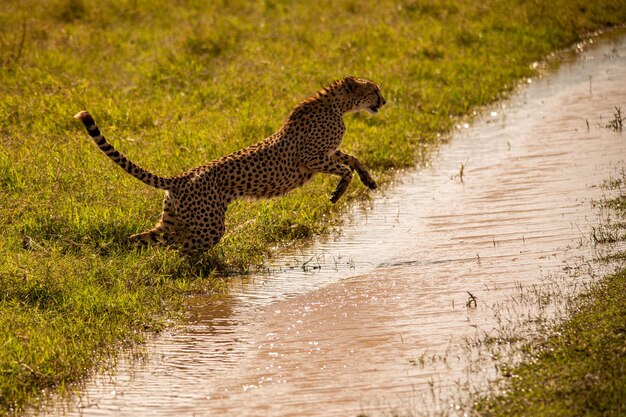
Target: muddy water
{"points": [[376, 319]]}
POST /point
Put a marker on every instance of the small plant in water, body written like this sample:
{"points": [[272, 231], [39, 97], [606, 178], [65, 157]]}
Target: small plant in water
{"points": [[616, 123], [461, 172], [471, 301]]}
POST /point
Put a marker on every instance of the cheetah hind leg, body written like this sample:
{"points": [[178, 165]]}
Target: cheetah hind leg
{"points": [[199, 239], [150, 237], [163, 232], [193, 245]]}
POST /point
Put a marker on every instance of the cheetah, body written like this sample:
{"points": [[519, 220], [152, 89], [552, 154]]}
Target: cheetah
{"points": [[307, 143]]}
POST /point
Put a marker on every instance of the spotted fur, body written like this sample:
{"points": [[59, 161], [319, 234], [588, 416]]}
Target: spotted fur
{"points": [[196, 201]]}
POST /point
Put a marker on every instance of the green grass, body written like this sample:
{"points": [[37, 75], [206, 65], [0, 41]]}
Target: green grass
{"points": [[174, 84], [579, 369]]}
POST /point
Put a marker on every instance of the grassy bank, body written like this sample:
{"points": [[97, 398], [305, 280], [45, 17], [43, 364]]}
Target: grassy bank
{"points": [[579, 370], [175, 84]]}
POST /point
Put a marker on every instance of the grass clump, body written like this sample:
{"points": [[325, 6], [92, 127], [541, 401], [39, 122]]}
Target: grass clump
{"points": [[579, 369], [176, 84], [616, 123]]}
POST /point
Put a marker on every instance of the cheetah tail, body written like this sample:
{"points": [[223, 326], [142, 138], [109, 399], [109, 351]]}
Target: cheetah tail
{"points": [[141, 174]]}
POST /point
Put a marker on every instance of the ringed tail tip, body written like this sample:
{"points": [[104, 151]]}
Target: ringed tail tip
{"points": [[82, 115], [89, 123]]}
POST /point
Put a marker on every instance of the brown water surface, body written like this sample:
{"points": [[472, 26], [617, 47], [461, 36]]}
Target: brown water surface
{"points": [[377, 319]]}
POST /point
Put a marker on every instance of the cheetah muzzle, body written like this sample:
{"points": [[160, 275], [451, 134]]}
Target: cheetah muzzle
{"points": [[307, 143]]}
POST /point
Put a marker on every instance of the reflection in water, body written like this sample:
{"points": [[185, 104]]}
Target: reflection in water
{"points": [[376, 319]]}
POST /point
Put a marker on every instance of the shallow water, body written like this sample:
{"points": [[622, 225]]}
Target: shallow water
{"points": [[376, 319]]}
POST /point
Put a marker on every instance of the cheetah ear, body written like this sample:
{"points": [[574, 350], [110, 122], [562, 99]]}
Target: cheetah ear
{"points": [[351, 83]]}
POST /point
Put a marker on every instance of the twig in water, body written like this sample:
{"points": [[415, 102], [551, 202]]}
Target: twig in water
{"points": [[471, 301]]}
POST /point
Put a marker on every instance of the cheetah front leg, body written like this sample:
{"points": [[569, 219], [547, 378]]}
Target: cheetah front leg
{"points": [[356, 165], [327, 165]]}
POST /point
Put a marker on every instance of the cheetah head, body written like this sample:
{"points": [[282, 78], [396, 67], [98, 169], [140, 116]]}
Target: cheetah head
{"points": [[365, 94]]}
